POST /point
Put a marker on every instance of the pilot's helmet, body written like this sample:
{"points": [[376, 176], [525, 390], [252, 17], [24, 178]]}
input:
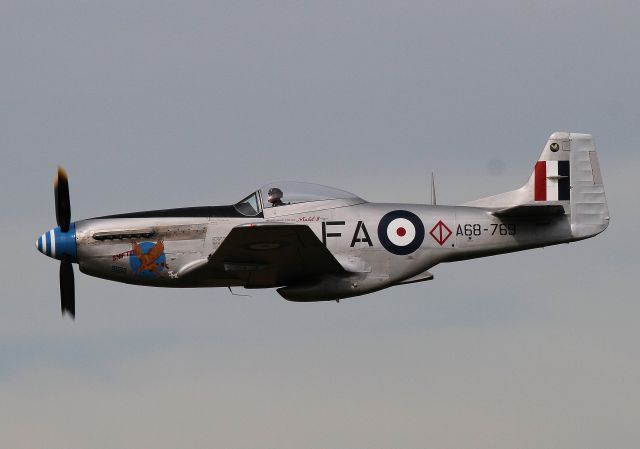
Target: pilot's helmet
{"points": [[275, 195]]}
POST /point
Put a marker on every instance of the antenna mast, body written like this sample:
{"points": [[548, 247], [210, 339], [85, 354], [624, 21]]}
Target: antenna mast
{"points": [[433, 190]]}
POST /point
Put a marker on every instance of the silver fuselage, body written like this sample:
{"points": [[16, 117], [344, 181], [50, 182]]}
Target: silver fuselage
{"points": [[350, 231], [319, 243]]}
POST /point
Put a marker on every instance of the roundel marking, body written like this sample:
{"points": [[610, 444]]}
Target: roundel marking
{"points": [[554, 147], [401, 232]]}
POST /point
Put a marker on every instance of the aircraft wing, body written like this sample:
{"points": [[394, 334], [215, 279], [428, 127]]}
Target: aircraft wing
{"points": [[273, 254]]}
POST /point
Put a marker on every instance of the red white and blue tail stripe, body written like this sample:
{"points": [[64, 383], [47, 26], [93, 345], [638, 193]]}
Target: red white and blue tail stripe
{"points": [[552, 181]]}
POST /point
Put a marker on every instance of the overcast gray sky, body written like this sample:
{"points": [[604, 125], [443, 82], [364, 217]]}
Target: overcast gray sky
{"points": [[176, 103]]}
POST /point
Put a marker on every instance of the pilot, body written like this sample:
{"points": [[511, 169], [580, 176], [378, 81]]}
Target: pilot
{"points": [[275, 197]]}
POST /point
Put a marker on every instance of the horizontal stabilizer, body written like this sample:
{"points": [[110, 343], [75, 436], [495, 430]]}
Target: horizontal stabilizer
{"points": [[530, 210]]}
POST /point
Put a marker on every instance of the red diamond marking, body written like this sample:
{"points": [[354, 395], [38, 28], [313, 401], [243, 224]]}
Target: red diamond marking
{"points": [[401, 231], [440, 232]]}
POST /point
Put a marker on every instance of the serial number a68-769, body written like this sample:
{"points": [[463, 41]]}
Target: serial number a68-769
{"points": [[476, 229]]}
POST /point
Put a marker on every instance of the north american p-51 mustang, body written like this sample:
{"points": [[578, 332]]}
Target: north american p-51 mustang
{"points": [[316, 243]]}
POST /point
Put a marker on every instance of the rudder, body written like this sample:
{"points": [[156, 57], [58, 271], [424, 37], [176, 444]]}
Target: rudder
{"points": [[589, 209]]}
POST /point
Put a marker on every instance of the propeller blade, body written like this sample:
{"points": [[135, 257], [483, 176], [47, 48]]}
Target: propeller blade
{"points": [[63, 203], [67, 288]]}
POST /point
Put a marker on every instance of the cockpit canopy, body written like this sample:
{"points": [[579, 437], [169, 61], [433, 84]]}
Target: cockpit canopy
{"points": [[286, 193]]}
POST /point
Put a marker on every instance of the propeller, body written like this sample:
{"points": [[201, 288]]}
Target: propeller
{"points": [[67, 288], [63, 217], [63, 204]]}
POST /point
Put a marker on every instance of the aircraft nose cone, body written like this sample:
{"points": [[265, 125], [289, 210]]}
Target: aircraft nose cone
{"points": [[58, 244], [40, 244]]}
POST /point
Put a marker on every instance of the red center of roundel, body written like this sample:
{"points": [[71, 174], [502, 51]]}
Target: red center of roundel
{"points": [[401, 231]]}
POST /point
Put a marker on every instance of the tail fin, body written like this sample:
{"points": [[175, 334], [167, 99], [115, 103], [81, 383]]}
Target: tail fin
{"points": [[566, 175]]}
